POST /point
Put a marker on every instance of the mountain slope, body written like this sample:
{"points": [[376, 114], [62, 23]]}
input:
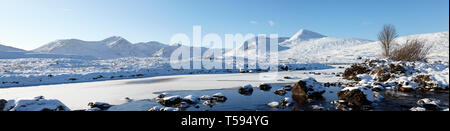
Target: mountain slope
{"points": [[4, 48], [312, 50], [300, 46], [304, 34], [439, 51]]}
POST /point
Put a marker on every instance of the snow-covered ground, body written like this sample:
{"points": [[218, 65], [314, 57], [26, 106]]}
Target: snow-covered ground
{"points": [[78, 95]]}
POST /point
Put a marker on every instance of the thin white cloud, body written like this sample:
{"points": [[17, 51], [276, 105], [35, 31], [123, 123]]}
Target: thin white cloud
{"points": [[253, 22], [366, 23], [271, 23]]}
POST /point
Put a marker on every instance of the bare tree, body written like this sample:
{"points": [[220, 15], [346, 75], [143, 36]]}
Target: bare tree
{"points": [[386, 38], [412, 50]]}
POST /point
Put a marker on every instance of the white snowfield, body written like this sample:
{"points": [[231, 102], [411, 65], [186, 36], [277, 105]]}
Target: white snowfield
{"points": [[438, 41], [78, 95]]}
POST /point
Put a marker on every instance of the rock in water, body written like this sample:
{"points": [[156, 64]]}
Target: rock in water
{"points": [[101, 105], [246, 90], [190, 99], [170, 101], [356, 97], [429, 104], [219, 97], [2, 104], [308, 87], [265, 87], [280, 92]]}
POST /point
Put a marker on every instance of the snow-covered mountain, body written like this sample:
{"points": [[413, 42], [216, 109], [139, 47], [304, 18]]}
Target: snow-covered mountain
{"points": [[301, 45], [4, 48], [7, 52], [304, 35], [109, 48]]}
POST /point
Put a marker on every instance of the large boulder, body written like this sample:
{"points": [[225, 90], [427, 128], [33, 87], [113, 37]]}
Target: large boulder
{"points": [[355, 97], [309, 88], [2, 104]]}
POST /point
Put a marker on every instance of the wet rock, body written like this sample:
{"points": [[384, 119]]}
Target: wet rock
{"points": [[355, 97], [208, 103], [219, 97], [190, 99], [280, 92], [246, 90], [429, 104], [265, 87], [286, 102], [182, 105], [2, 104], [170, 101], [205, 97], [308, 87], [101, 105]]}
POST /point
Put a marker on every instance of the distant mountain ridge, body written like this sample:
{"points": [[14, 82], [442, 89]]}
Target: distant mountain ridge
{"points": [[4, 48], [109, 48]]}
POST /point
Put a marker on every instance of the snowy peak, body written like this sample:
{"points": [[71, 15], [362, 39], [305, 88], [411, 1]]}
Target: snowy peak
{"points": [[304, 34]]}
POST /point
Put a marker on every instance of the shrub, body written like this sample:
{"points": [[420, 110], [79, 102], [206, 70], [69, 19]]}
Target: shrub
{"points": [[412, 50]]}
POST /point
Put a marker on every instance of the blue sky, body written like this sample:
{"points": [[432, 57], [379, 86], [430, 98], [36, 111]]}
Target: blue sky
{"points": [[28, 24]]}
